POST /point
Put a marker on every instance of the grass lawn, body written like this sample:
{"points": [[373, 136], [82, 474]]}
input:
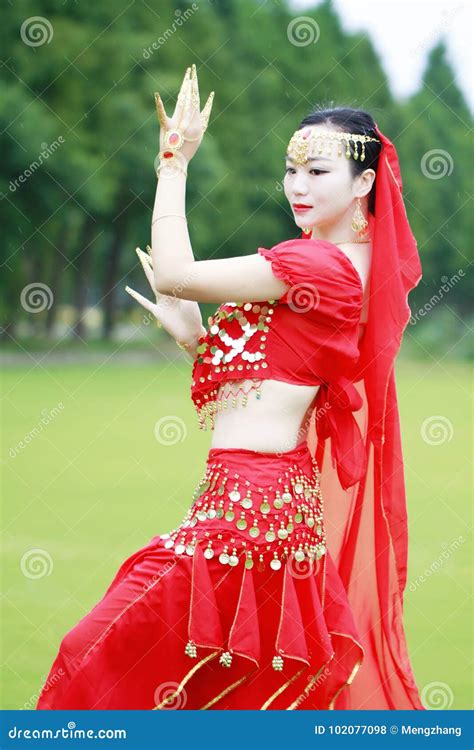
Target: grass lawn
{"points": [[96, 480]]}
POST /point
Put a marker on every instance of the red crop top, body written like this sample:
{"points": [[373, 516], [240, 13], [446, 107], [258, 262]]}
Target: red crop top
{"points": [[307, 336], [310, 336]]}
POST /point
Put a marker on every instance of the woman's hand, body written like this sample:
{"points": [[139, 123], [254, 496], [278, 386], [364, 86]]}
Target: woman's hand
{"points": [[179, 317], [187, 119]]}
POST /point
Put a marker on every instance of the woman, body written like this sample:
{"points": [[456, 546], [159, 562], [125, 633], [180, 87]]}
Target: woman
{"points": [[283, 586]]}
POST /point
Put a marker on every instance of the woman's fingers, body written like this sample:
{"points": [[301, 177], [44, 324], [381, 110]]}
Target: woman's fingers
{"points": [[195, 90], [180, 108], [150, 306], [161, 112], [150, 256], [206, 112], [147, 266]]}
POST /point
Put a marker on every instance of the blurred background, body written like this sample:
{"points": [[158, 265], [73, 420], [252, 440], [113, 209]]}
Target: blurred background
{"points": [[101, 448]]}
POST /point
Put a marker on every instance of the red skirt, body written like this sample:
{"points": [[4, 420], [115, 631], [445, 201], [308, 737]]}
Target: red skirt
{"points": [[239, 607]]}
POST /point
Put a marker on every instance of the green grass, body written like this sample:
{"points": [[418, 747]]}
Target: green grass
{"points": [[95, 485]]}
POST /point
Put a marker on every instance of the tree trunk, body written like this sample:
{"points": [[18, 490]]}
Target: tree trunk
{"points": [[112, 264], [83, 263], [57, 277]]}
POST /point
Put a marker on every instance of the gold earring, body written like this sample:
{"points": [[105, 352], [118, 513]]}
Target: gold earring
{"points": [[307, 230], [359, 222]]}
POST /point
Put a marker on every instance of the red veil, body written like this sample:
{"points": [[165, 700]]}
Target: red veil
{"points": [[367, 522]]}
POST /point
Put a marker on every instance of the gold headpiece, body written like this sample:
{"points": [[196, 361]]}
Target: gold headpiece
{"points": [[306, 142]]}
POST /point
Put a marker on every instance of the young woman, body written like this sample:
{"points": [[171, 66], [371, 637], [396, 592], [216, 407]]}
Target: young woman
{"points": [[283, 586]]}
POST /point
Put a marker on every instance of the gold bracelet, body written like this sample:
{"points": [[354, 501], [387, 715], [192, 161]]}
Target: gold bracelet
{"points": [[163, 216], [175, 160], [183, 345], [173, 166]]}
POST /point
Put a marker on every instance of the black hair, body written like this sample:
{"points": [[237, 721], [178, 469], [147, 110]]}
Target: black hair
{"points": [[349, 120]]}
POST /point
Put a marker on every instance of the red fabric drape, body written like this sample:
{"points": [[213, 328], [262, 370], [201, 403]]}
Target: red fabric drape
{"points": [[365, 507]]}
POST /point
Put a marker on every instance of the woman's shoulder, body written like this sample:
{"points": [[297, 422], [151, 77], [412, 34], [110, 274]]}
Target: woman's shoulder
{"points": [[323, 260]]}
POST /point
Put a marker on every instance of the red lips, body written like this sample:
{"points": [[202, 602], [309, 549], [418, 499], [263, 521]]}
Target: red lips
{"points": [[301, 205]]}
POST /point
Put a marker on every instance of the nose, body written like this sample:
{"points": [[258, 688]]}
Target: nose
{"points": [[300, 184]]}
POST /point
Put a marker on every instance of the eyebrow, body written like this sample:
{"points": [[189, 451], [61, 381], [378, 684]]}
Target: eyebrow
{"points": [[318, 158]]}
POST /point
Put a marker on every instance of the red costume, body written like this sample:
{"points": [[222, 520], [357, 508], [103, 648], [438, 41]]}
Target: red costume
{"points": [[283, 586]]}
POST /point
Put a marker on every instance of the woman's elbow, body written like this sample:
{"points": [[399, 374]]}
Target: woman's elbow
{"points": [[172, 287], [162, 285]]}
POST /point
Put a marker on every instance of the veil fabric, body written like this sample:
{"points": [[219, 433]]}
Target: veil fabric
{"points": [[365, 508]]}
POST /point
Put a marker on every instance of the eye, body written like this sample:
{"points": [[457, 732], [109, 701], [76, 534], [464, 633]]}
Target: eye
{"points": [[317, 171]]}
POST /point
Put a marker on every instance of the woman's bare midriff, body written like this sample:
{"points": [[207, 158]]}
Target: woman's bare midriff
{"points": [[277, 421]]}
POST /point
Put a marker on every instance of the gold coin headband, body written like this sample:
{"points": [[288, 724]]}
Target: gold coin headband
{"points": [[306, 142]]}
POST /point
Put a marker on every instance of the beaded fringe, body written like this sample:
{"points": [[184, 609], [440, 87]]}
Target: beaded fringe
{"points": [[219, 400], [265, 527]]}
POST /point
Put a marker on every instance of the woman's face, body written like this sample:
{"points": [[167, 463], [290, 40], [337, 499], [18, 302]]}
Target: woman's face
{"points": [[325, 184]]}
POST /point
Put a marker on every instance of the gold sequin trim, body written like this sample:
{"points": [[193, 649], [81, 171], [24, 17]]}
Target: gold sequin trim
{"points": [[130, 604], [186, 679], [226, 690], [263, 526], [282, 688]]}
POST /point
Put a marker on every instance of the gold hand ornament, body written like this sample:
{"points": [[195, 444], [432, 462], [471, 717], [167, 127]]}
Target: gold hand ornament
{"points": [[180, 133]]}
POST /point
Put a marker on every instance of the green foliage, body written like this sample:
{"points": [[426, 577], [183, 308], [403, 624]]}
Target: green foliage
{"points": [[72, 221]]}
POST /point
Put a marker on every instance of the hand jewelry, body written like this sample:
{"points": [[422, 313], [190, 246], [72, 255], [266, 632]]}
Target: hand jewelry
{"points": [[163, 216], [173, 138], [183, 345]]}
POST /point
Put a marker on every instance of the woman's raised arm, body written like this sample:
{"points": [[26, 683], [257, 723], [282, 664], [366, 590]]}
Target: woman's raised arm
{"points": [[176, 272]]}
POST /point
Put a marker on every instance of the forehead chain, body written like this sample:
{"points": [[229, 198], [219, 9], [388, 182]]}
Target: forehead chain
{"points": [[305, 142]]}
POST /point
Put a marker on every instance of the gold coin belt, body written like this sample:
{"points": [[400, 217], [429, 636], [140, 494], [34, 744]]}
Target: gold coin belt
{"points": [[261, 525]]}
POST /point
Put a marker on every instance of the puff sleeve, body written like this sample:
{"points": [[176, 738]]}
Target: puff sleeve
{"points": [[319, 276]]}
